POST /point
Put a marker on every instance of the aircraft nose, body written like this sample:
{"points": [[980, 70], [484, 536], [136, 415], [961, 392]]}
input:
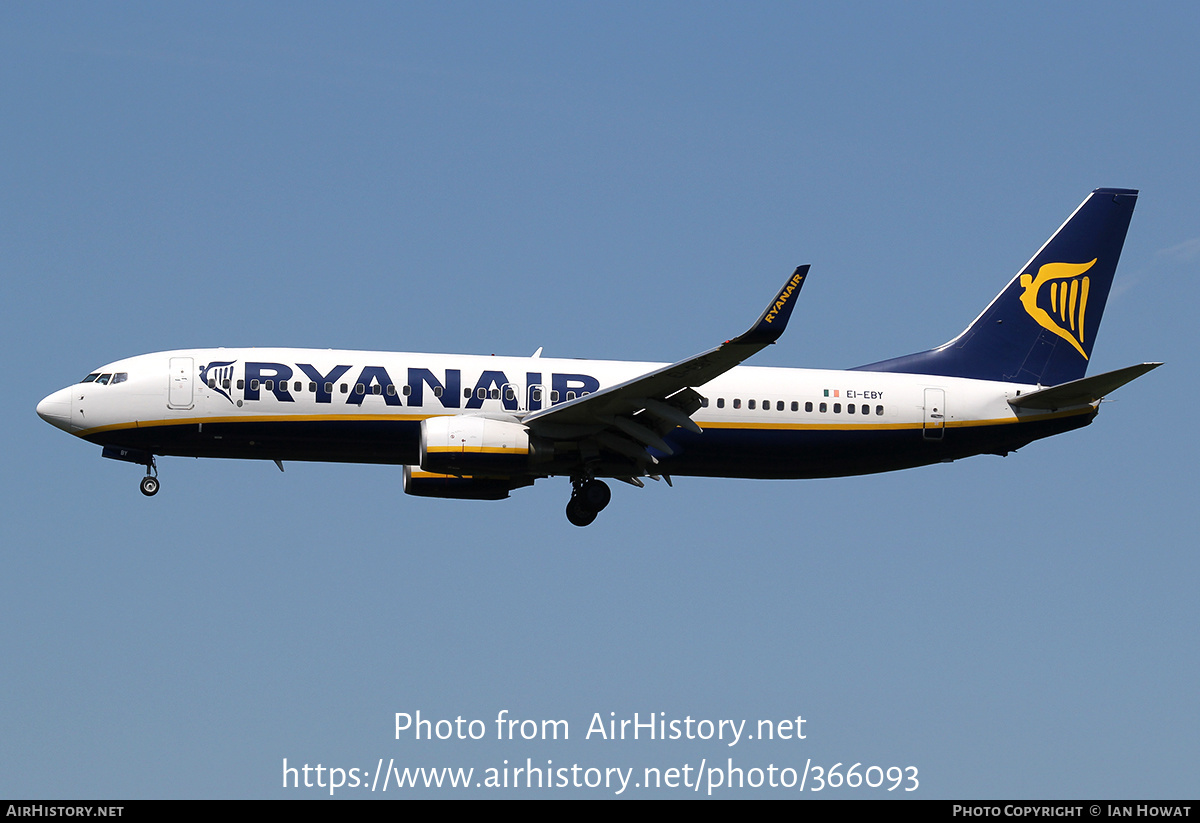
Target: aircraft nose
{"points": [[56, 409]]}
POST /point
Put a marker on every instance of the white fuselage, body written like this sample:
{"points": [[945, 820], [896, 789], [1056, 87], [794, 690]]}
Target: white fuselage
{"points": [[361, 406]]}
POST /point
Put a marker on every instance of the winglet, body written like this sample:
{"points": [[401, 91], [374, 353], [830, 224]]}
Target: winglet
{"points": [[666, 384], [773, 321]]}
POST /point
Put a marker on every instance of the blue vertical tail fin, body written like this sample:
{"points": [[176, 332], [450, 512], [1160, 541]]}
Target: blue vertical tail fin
{"points": [[1041, 328]]}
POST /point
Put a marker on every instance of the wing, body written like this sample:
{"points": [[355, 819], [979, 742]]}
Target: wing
{"points": [[631, 416]]}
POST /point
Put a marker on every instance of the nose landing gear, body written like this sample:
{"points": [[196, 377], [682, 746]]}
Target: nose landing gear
{"points": [[149, 484], [588, 498]]}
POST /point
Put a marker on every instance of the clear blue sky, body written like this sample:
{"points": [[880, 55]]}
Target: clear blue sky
{"points": [[608, 181]]}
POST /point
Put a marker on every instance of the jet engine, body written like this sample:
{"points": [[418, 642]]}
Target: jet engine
{"points": [[474, 445]]}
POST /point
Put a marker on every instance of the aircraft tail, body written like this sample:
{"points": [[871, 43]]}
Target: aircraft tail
{"points": [[1041, 328]]}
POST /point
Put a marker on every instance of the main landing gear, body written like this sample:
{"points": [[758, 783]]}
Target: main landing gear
{"points": [[149, 484], [588, 498]]}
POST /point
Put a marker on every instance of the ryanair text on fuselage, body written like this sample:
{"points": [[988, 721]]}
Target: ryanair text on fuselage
{"points": [[375, 383]]}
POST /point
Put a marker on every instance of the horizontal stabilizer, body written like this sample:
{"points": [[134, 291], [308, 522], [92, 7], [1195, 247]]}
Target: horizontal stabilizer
{"points": [[1081, 392]]}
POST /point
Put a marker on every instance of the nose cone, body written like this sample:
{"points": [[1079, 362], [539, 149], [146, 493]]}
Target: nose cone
{"points": [[56, 409]]}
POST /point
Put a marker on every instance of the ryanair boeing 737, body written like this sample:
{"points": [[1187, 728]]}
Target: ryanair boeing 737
{"points": [[476, 428]]}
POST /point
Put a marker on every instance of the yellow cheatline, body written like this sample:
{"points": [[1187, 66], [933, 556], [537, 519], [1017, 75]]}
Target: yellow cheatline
{"points": [[952, 424], [476, 450], [267, 418], [707, 425]]}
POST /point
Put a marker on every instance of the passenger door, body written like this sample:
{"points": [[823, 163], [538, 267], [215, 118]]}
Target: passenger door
{"points": [[179, 390]]}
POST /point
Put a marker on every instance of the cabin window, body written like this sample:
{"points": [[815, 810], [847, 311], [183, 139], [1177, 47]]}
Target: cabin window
{"points": [[879, 410], [766, 405], [720, 402], [553, 396], [241, 383], [269, 385], [391, 389], [837, 408], [466, 394], [849, 408], [737, 402], [212, 382], [481, 393], [750, 404], [704, 402], [254, 384], [866, 409], [437, 391], [571, 395], [225, 383], [823, 407], [298, 386], [407, 390], [343, 387], [359, 388], [377, 389], [312, 387], [494, 394], [808, 406], [535, 395], [779, 406], [509, 394]]}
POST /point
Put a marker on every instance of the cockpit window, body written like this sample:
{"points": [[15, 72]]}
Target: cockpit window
{"points": [[91, 377], [120, 377], [103, 379]]}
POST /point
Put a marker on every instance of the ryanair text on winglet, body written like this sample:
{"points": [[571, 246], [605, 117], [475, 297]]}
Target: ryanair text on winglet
{"points": [[782, 299]]}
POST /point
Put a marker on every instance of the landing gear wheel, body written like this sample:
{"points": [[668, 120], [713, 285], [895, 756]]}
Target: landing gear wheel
{"points": [[578, 514], [595, 495], [149, 485]]}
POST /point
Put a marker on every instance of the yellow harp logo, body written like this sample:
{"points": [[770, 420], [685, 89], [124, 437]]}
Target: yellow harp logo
{"points": [[1068, 294]]}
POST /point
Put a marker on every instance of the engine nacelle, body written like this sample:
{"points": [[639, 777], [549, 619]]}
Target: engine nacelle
{"points": [[429, 484], [472, 445]]}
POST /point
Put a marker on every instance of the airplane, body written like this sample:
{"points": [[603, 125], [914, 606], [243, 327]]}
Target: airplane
{"points": [[479, 427]]}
